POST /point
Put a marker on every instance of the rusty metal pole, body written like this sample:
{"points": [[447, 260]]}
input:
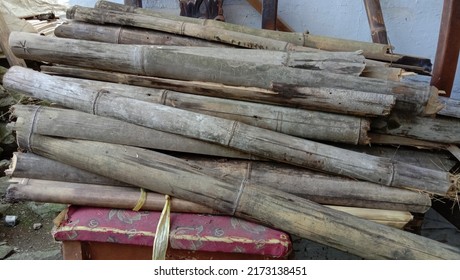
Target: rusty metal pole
{"points": [[134, 3], [269, 14], [446, 60], [376, 22]]}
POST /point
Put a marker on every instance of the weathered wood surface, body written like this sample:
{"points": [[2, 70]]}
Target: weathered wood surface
{"points": [[229, 195], [385, 139], [354, 102], [370, 50], [442, 130], [233, 134], [451, 107], [302, 123], [410, 98], [317, 187], [26, 189], [4, 44], [126, 35], [79, 125]]}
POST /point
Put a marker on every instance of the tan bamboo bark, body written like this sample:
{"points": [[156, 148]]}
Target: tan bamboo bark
{"points": [[4, 44], [233, 134], [126, 35], [230, 195], [340, 101], [370, 50], [25, 189], [166, 63], [317, 187], [451, 107], [302, 123], [429, 129]]}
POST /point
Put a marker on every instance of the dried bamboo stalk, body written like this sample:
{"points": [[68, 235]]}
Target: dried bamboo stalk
{"points": [[26, 189], [451, 107], [429, 129], [317, 187], [167, 175], [302, 123], [253, 140], [126, 35], [341, 101], [165, 63]]}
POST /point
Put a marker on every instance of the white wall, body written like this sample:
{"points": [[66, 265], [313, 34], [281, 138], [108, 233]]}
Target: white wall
{"points": [[412, 25]]}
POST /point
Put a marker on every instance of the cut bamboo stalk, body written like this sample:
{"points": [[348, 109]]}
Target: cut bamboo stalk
{"points": [[126, 35], [429, 129], [109, 11], [306, 124], [317, 187], [385, 139], [231, 196], [62, 123], [451, 107], [377, 104], [165, 63], [233, 134], [26, 189]]}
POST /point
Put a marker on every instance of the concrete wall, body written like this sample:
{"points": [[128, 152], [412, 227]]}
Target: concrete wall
{"points": [[413, 26]]}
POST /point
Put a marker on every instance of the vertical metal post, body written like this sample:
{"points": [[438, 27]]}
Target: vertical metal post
{"points": [[446, 60], [376, 22], [269, 14], [133, 3]]}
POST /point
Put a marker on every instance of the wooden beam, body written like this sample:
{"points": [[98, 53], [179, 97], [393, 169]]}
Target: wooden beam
{"points": [[269, 14], [376, 21], [446, 59], [280, 24]]}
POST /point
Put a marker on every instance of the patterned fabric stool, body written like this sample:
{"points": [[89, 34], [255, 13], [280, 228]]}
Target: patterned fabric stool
{"points": [[114, 234]]}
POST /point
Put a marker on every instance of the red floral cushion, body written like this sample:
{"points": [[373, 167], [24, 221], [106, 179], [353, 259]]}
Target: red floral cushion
{"points": [[194, 232]]}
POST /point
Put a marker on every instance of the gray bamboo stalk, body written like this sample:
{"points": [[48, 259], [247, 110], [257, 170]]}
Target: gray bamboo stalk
{"points": [[167, 63], [253, 140], [317, 187], [441, 130], [126, 35], [340, 101], [231, 195], [26, 189], [451, 107], [302, 123]]}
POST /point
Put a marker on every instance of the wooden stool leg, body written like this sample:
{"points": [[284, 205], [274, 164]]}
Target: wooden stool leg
{"points": [[72, 250]]}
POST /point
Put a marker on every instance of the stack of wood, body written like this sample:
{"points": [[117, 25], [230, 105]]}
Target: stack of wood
{"points": [[279, 131]]}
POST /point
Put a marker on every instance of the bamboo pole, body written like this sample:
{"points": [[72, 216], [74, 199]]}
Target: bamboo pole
{"points": [[317, 187], [302, 123], [253, 140], [169, 64], [62, 123], [451, 107], [26, 189], [429, 129], [341, 101], [126, 35], [230, 195]]}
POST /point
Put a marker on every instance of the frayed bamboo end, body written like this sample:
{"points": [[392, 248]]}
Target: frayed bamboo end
{"points": [[454, 190]]}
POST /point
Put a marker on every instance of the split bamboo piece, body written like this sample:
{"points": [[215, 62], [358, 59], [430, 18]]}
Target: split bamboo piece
{"points": [[451, 107], [317, 187], [126, 35], [151, 61], [441, 130], [233, 196], [63, 123], [127, 197], [370, 50], [302, 123], [253, 140], [340, 101]]}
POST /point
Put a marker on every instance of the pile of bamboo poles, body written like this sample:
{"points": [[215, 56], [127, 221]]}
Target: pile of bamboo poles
{"points": [[269, 130]]}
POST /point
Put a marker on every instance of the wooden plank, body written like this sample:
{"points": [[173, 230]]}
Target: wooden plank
{"points": [[376, 21], [280, 24], [269, 14]]}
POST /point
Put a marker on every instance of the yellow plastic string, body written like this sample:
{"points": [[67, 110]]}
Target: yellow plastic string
{"points": [[141, 200], [160, 243]]}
